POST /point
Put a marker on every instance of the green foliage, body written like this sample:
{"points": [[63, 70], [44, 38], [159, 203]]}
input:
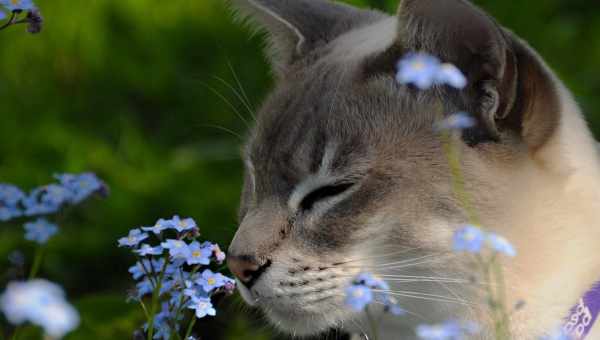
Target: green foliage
{"points": [[144, 94]]}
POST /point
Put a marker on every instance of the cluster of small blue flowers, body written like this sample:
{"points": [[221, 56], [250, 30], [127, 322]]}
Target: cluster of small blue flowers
{"points": [[470, 239], [12, 9], [367, 289], [175, 270], [42, 303], [449, 330], [39, 301], [474, 240], [424, 71], [46, 200]]}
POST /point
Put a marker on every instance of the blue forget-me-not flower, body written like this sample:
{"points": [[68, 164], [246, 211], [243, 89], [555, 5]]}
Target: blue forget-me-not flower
{"points": [[472, 239], [358, 297], [40, 230], [424, 71], [366, 289], [199, 254], [133, 239], [456, 121], [18, 5], [501, 245], [183, 272], [42, 303], [469, 239]]}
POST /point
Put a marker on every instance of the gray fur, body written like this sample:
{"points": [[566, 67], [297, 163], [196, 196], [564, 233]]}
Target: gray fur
{"points": [[382, 132]]}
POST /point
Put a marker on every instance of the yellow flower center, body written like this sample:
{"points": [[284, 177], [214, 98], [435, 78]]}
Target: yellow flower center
{"points": [[358, 293], [418, 65], [470, 236], [196, 253], [211, 281], [15, 2]]}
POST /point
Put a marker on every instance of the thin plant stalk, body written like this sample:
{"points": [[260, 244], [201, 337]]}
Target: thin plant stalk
{"points": [[503, 330], [15, 335], [37, 261], [458, 180], [190, 327], [492, 270], [11, 21], [181, 299], [374, 325], [155, 298]]}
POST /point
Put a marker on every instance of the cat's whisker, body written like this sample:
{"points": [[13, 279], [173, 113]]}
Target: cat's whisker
{"points": [[402, 280], [412, 264], [402, 264], [222, 128], [418, 277], [426, 297], [228, 102], [387, 291], [238, 95], [383, 304], [239, 83], [393, 264], [424, 277], [400, 252], [406, 261]]}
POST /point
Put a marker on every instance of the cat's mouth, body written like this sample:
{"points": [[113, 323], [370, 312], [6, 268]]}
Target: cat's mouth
{"points": [[304, 304]]}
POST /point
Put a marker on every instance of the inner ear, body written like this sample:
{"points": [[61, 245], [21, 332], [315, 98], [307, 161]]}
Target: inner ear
{"points": [[536, 111]]}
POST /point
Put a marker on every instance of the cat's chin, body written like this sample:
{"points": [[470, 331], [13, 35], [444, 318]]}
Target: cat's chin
{"points": [[303, 316], [301, 324]]}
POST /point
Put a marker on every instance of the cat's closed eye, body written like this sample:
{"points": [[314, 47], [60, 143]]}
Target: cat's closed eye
{"points": [[323, 193]]}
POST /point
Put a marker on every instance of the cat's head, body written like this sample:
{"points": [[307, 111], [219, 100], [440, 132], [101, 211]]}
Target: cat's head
{"points": [[344, 172]]}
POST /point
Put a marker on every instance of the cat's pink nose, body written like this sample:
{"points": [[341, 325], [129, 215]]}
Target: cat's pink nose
{"points": [[245, 268]]}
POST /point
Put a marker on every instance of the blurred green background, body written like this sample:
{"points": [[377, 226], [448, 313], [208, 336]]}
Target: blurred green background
{"points": [[142, 93]]}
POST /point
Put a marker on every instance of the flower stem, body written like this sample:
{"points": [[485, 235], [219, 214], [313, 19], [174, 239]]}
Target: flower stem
{"points": [[145, 310], [190, 327], [15, 335], [10, 21], [37, 261], [155, 297], [458, 180], [492, 270], [503, 322], [373, 324], [182, 299]]}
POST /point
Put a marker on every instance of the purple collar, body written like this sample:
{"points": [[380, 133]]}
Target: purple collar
{"points": [[583, 316]]}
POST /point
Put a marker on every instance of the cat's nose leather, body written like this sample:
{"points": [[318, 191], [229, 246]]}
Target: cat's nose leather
{"points": [[246, 268]]}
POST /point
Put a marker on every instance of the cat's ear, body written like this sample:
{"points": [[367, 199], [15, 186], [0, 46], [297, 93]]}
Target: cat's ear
{"points": [[510, 89], [295, 27]]}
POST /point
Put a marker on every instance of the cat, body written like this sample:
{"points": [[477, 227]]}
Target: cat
{"points": [[344, 173]]}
